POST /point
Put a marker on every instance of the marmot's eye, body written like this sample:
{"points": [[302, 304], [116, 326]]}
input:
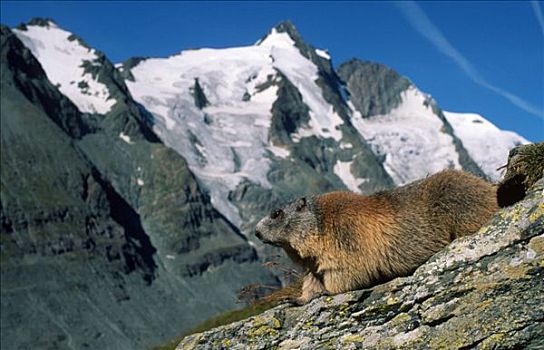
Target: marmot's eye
{"points": [[276, 213]]}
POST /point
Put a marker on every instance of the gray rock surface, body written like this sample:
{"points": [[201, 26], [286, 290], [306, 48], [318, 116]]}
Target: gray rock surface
{"points": [[484, 291], [374, 88]]}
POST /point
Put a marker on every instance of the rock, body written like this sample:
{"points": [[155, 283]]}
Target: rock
{"points": [[375, 88], [198, 94], [484, 291], [525, 166]]}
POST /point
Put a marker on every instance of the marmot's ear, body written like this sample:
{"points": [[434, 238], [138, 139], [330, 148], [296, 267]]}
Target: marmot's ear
{"points": [[301, 204]]}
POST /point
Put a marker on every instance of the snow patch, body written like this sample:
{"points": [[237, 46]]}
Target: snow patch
{"points": [[62, 60], [140, 182], [323, 53], [279, 151], [486, 144], [277, 39], [345, 145], [125, 138], [411, 139], [343, 171]]}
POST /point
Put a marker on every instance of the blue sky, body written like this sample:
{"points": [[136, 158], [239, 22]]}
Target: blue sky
{"points": [[483, 57]]}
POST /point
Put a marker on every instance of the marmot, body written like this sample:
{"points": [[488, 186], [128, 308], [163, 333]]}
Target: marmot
{"points": [[347, 241]]}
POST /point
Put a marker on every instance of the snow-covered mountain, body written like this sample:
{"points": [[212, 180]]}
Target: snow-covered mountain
{"points": [[485, 143], [410, 138], [228, 140], [218, 109], [264, 108], [412, 134], [414, 142]]}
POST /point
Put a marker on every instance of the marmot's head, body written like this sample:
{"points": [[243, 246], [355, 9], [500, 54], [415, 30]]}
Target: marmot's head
{"points": [[289, 226]]}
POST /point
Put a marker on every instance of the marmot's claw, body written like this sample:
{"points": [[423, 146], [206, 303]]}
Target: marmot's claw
{"points": [[323, 294], [296, 301]]}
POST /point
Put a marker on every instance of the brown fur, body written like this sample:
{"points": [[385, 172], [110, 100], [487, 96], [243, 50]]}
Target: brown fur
{"points": [[360, 241]]}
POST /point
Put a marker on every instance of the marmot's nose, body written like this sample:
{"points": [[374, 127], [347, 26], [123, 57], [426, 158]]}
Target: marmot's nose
{"points": [[258, 234]]}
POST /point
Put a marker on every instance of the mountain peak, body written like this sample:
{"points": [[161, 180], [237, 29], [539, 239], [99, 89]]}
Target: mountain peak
{"points": [[377, 86], [286, 33], [285, 27], [288, 27], [70, 64], [40, 22]]}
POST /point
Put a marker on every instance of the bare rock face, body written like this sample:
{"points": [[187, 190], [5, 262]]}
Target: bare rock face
{"points": [[485, 291]]}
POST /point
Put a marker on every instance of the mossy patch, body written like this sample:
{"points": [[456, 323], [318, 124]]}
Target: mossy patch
{"points": [[276, 323], [516, 272], [492, 342], [537, 244], [392, 301], [400, 319], [352, 338], [221, 320], [261, 331], [536, 213]]}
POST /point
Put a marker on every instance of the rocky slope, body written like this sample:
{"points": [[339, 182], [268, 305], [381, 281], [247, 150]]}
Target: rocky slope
{"points": [[106, 234], [481, 292]]}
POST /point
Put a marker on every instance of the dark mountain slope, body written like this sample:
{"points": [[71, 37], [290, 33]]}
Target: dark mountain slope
{"points": [[105, 243]]}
